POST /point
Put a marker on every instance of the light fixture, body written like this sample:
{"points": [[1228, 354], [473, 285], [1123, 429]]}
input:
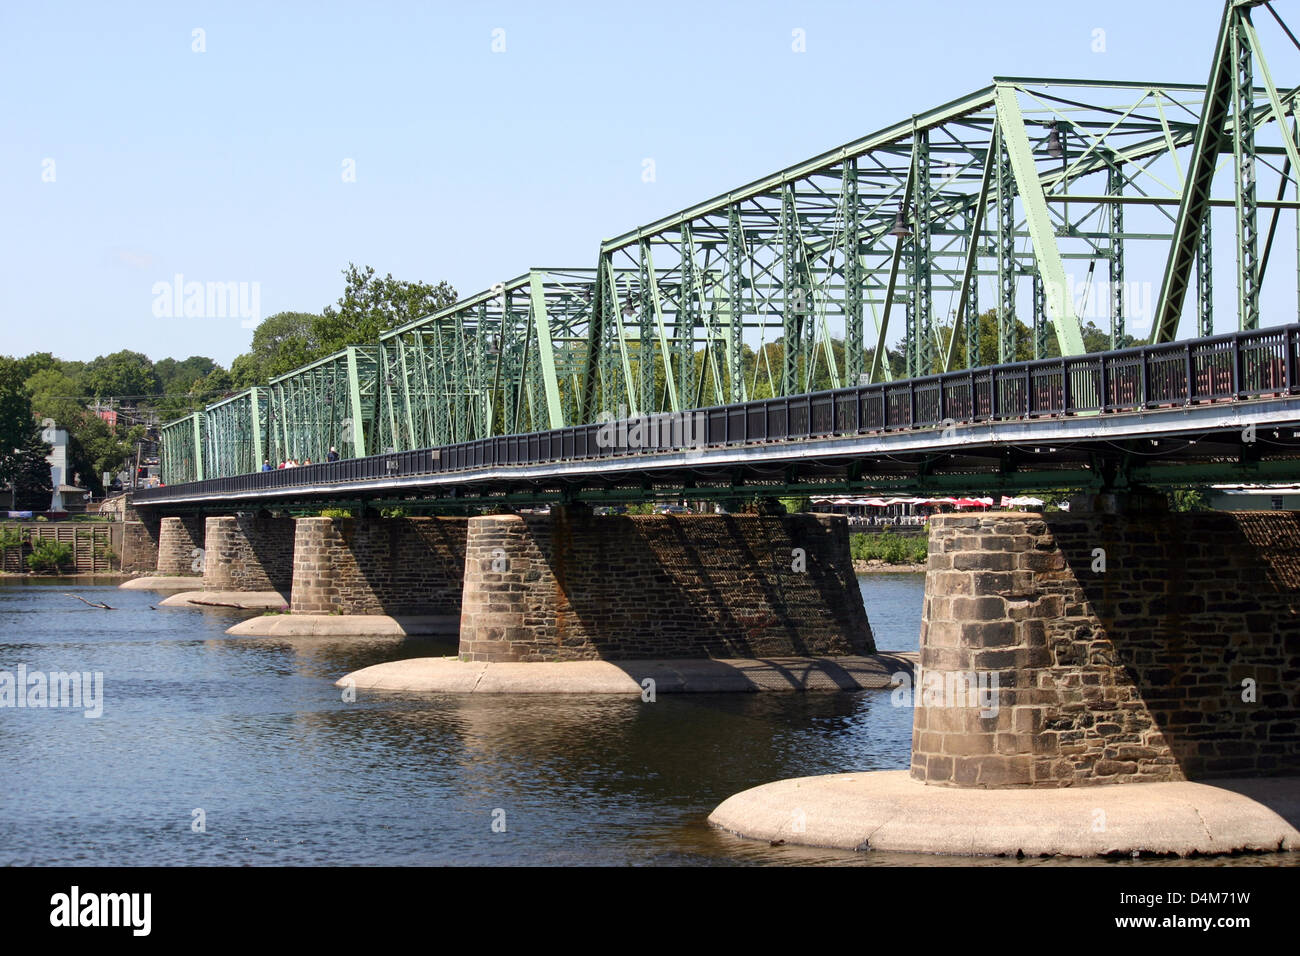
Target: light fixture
{"points": [[1055, 149], [900, 229]]}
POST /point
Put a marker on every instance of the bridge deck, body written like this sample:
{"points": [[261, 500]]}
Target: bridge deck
{"points": [[1165, 414]]}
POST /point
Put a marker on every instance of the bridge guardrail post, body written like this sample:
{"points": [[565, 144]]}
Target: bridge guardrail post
{"points": [[1144, 384], [1103, 401], [1187, 364], [1288, 358], [1236, 366]]}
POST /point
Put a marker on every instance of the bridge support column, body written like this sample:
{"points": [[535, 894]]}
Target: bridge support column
{"points": [[180, 546], [393, 566], [1074, 649], [575, 586], [140, 534], [248, 553]]}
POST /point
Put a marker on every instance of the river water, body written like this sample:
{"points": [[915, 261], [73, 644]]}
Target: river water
{"points": [[219, 750]]}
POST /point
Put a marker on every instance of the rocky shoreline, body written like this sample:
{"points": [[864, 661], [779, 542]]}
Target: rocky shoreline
{"points": [[877, 566]]}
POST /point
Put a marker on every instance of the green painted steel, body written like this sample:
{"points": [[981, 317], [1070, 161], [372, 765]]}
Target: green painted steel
{"points": [[1228, 121], [329, 404], [180, 450], [1051, 272], [234, 434], [512, 358], [1012, 195]]}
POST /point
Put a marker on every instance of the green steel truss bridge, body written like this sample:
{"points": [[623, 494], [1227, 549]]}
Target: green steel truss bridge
{"points": [[1039, 201]]}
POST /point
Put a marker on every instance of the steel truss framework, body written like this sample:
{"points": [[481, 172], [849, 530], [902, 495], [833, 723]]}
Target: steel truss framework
{"points": [[508, 360], [328, 404], [179, 445], [235, 434], [1038, 199]]}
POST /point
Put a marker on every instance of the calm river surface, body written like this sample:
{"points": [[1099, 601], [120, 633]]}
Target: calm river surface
{"points": [[253, 733]]}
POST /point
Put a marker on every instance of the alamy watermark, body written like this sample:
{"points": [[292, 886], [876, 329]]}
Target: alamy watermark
{"points": [[126, 910], [38, 689], [1093, 300], [177, 299], [668, 430], [974, 689]]}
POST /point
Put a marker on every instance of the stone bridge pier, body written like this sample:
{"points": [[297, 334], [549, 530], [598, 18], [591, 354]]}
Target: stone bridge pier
{"points": [[1115, 680], [180, 546], [250, 553], [379, 566], [1125, 647], [573, 586]]}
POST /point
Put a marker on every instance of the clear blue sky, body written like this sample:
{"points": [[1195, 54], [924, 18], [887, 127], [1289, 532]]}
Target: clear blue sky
{"points": [[227, 165]]}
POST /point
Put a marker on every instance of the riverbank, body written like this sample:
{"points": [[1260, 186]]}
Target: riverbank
{"points": [[76, 576], [887, 551], [883, 567]]}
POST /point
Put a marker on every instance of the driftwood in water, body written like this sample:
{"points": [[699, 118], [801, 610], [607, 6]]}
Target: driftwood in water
{"points": [[91, 603]]}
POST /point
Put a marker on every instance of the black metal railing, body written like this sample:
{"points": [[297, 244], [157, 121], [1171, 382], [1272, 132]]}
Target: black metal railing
{"points": [[1235, 367]]}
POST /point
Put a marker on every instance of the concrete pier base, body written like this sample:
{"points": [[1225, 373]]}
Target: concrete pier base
{"points": [[889, 810], [448, 675], [244, 600], [160, 582], [348, 625]]}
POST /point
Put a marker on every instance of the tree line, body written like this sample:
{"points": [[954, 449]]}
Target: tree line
{"points": [[41, 386]]}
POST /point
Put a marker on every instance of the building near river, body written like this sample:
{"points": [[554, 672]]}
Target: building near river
{"points": [[1254, 497]]}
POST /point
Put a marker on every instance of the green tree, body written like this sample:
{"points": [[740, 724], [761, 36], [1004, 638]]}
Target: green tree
{"points": [[26, 470], [281, 343], [122, 373], [17, 422], [988, 342], [179, 377], [95, 447], [54, 395], [370, 305], [1188, 499], [49, 556], [29, 365], [215, 385]]}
